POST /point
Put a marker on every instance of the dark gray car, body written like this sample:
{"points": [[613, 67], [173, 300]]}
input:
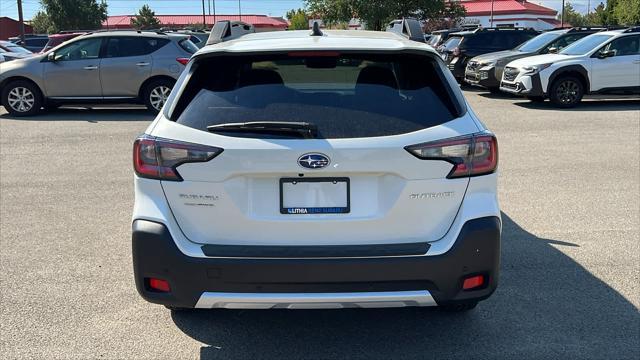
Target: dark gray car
{"points": [[111, 66]]}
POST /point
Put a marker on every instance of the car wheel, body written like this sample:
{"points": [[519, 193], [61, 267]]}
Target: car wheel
{"points": [[536, 99], [566, 92], [459, 307], [156, 94], [22, 98]]}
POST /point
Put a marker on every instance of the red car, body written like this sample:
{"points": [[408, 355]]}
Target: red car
{"points": [[57, 39]]}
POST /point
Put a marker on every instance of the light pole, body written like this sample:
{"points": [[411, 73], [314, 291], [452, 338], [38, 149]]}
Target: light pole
{"points": [[562, 15], [21, 21], [491, 20], [240, 10], [204, 15]]}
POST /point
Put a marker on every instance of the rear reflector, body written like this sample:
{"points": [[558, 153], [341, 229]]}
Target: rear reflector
{"points": [[159, 285], [156, 158], [471, 155], [473, 282], [183, 61]]}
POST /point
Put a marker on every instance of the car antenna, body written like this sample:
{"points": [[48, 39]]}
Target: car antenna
{"points": [[316, 29]]}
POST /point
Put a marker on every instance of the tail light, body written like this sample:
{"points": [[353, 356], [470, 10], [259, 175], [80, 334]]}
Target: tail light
{"points": [[456, 51], [183, 61], [156, 158], [471, 155]]}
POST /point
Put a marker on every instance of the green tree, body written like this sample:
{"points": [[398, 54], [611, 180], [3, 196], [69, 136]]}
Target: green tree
{"points": [[627, 12], [145, 19], [42, 24], [598, 16], [572, 17], [298, 19], [75, 14], [376, 14]]}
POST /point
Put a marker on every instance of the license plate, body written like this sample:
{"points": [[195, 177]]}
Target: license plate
{"points": [[299, 196]]}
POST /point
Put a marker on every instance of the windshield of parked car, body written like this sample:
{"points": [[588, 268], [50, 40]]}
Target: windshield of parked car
{"points": [[585, 44], [538, 42], [345, 96], [17, 49], [434, 40], [451, 43]]}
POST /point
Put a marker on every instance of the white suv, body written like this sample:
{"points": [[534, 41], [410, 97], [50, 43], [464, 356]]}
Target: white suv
{"points": [[603, 63], [322, 170]]}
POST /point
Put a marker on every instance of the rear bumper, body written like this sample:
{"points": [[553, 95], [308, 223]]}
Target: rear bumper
{"points": [[316, 282]]}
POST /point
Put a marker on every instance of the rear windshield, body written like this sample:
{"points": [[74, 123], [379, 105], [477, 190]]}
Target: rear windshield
{"points": [[188, 46], [345, 96]]}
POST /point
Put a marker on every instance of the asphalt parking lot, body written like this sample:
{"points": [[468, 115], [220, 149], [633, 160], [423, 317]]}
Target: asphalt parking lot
{"points": [[570, 283]]}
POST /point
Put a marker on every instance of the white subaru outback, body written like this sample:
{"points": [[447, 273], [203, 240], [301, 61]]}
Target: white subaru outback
{"points": [[605, 63], [323, 170]]}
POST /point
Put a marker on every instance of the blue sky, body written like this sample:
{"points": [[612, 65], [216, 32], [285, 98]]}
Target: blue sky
{"points": [[267, 7]]}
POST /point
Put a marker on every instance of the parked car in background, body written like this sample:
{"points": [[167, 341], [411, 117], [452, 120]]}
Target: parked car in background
{"points": [[607, 62], [486, 70], [308, 176], [57, 39], [438, 37], [199, 38], [33, 43], [482, 41], [11, 51], [109, 66]]}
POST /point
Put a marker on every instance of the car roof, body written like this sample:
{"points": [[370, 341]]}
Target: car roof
{"points": [[330, 40]]}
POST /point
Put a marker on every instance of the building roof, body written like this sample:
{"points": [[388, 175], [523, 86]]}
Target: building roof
{"points": [[504, 7], [182, 20]]}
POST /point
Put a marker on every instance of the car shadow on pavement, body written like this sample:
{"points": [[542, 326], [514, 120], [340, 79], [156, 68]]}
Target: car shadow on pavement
{"points": [[546, 306], [586, 105], [88, 114]]}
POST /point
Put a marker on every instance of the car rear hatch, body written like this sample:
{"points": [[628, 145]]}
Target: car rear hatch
{"points": [[315, 149]]}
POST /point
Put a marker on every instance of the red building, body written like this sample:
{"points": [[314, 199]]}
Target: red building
{"points": [[519, 13], [260, 22], [10, 28]]}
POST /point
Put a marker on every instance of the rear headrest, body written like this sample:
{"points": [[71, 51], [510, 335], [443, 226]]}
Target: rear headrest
{"points": [[260, 77], [375, 75]]}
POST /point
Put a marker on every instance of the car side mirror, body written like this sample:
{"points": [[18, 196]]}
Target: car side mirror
{"points": [[553, 50], [51, 56], [606, 54]]}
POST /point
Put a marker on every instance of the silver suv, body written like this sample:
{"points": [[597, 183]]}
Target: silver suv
{"points": [[109, 66]]}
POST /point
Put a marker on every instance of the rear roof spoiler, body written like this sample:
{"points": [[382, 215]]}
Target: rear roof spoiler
{"points": [[407, 27], [228, 30]]}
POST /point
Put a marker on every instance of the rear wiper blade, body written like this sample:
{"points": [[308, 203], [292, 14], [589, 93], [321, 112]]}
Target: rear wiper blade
{"points": [[301, 129]]}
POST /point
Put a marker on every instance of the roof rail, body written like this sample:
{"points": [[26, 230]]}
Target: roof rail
{"points": [[126, 30], [633, 29], [226, 30], [407, 27]]}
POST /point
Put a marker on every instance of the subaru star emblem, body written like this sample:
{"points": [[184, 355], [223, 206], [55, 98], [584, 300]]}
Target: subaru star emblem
{"points": [[313, 161]]}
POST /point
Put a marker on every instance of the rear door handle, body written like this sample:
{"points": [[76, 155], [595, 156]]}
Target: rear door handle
{"points": [[142, 64], [91, 67]]}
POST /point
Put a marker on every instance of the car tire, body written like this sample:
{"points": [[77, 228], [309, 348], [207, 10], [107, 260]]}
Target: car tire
{"points": [[566, 91], [459, 307], [155, 94], [536, 99], [22, 98]]}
